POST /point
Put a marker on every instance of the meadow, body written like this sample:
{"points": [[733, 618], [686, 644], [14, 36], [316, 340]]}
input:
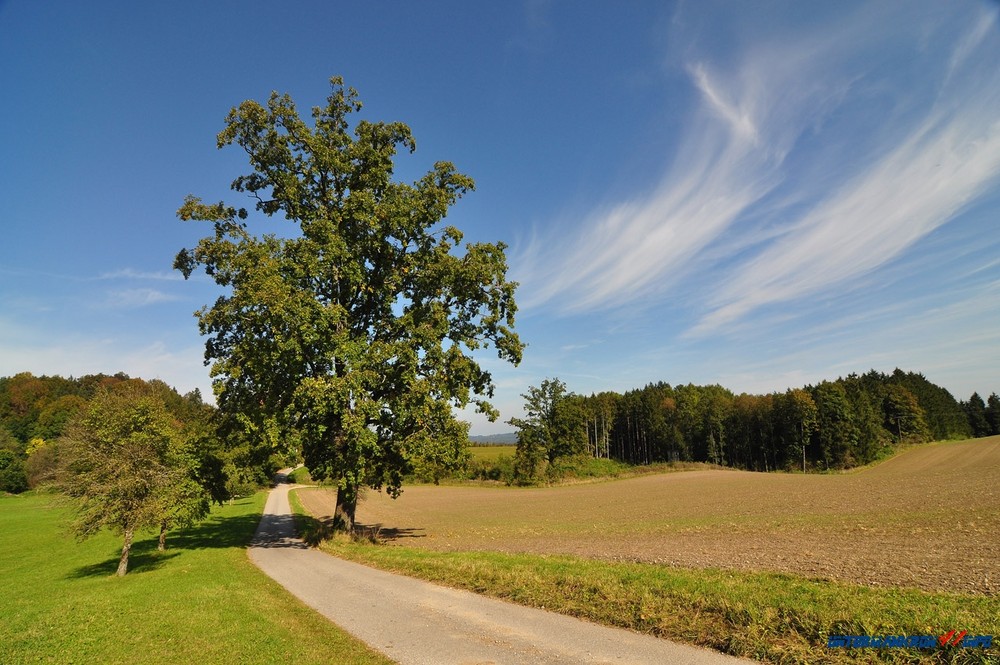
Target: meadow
{"points": [[761, 565], [201, 601], [491, 453]]}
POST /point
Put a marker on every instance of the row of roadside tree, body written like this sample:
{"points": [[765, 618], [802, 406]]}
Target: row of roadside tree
{"points": [[832, 425]]}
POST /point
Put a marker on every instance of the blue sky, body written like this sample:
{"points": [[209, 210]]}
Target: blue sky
{"points": [[760, 195]]}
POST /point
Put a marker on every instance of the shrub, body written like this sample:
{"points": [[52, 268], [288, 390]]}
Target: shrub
{"points": [[583, 466], [12, 478], [500, 469]]}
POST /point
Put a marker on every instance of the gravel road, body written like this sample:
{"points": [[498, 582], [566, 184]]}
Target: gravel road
{"points": [[412, 621]]}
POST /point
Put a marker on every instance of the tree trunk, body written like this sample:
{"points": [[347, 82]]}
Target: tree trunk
{"points": [[802, 438], [162, 545], [347, 503], [126, 548]]}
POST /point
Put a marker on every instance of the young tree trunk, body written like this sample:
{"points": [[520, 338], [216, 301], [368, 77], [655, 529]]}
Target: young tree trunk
{"points": [[126, 548], [162, 545]]}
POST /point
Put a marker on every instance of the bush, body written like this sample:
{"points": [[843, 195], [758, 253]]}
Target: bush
{"points": [[12, 478], [584, 466], [500, 469], [40, 467]]}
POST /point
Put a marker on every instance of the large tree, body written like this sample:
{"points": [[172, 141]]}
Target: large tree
{"points": [[354, 325]]}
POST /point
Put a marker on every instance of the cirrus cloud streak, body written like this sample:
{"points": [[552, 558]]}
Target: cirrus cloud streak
{"points": [[805, 164]]}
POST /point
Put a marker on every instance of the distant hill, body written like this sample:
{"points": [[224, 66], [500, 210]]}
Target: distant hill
{"points": [[505, 439]]}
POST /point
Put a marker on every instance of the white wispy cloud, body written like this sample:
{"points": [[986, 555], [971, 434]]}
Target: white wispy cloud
{"points": [[808, 162], [129, 273], [627, 251], [730, 156], [920, 185], [129, 298]]}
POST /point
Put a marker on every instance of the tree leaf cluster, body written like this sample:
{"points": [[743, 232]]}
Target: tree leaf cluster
{"points": [[128, 465]]}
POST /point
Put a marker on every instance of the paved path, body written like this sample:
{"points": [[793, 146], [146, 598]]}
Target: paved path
{"points": [[412, 621]]}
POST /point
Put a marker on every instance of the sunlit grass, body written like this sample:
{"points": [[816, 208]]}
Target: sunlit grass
{"points": [[491, 453], [201, 601]]}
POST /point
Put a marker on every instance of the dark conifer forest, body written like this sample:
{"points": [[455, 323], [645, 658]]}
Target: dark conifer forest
{"points": [[838, 424]]}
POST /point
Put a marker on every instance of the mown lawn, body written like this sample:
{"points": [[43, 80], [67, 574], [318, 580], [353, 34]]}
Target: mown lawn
{"points": [[202, 601]]}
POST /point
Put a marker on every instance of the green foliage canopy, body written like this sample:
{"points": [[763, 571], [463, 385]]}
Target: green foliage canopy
{"points": [[354, 331], [123, 463], [553, 427]]}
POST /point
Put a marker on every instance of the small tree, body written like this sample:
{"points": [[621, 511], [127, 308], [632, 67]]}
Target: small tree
{"points": [[554, 426], [116, 462]]}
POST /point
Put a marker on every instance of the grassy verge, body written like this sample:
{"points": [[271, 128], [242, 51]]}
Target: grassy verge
{"points": [[771, 617], [201, 601], [300, 476]]}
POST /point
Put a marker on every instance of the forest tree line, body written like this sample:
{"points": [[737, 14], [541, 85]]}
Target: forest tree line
{"points": [[832, 425], [36, 414], [130, 454]]}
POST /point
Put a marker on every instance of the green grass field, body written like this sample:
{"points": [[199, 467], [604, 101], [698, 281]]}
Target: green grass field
{"points": [[202, 601], [491, 453]]}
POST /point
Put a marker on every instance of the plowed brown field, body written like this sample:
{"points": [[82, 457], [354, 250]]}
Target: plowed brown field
{"points": [[929, 518]]}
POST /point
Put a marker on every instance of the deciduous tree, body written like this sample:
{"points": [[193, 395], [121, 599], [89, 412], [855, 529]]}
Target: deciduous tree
{"points": [[354, 325], [116, 462], [837, 428], [554, 425], [903, 415], [798, 418]]}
